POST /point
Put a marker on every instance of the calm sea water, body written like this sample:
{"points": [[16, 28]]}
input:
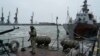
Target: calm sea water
{"points": [[23, 31]]}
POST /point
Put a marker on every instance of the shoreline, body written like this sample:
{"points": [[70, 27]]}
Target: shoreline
{"points": [[29, 24]]}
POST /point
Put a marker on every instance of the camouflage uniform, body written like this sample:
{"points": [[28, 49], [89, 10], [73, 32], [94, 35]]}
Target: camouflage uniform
{"points": [[73, 52], [32, 34]]}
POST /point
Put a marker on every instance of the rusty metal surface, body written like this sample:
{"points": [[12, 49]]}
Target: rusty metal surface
{"points": [[83, 29]]}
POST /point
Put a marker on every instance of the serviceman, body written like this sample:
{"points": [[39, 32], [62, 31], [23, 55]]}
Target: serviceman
{"points": [[74, 51], [33, 35]]}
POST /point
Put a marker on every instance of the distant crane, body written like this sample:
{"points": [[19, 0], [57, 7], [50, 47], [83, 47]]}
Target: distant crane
{"points": [[32, 18], [8, 20], [2, 18], [16, 18]]}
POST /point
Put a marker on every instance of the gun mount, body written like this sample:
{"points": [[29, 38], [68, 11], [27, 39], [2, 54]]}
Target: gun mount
{"points": [[7, 31]]}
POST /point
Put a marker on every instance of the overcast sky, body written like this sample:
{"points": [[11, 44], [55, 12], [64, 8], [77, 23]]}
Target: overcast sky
{"points": [[46, 10]]}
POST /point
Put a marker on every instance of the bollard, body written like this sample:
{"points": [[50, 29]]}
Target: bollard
{"points": [[23, 49]]}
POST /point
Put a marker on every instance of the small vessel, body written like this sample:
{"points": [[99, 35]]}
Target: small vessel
{"points": [[85, 24]]}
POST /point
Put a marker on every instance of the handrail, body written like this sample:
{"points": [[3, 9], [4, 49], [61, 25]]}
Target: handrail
{"points": [[22, 40], [13, 38], [53, 43]]}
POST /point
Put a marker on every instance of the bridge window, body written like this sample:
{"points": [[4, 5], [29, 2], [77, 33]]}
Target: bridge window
{"points": [[79, 19], [83, 19], [90, 16]]}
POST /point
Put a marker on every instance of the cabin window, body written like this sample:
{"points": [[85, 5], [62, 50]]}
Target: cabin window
{"points": [[94, 21], [77, 14], [79, 19], [80, 14], [83, 19], [90, 16], [86, 22], [84, 14]]}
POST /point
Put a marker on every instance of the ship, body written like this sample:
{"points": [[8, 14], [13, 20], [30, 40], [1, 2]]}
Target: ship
{"points": [[84, 26]]}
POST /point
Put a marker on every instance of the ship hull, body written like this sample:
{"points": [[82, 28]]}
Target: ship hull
{"points": [[85, 30], [80, 30], [69, 28]]}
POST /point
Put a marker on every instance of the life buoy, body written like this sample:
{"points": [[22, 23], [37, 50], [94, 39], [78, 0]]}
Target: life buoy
{"points": [[14, 48]]}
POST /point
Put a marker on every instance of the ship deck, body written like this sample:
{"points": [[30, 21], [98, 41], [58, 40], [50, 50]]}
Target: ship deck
{"points": [[39, 52]]}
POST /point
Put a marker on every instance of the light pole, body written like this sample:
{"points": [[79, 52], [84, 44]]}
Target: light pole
{"points": [[57, 33]]}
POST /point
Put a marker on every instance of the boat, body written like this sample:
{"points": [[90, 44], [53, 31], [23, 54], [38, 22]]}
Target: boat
{"points": [[84, 26], [42, 42]]}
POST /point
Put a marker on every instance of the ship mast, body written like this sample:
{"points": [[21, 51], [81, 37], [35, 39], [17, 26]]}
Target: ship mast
{"points": [[85, 7], [68, 17]]}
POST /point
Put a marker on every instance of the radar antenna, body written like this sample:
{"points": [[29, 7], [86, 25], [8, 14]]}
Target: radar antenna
{"points": [[85, 7]]}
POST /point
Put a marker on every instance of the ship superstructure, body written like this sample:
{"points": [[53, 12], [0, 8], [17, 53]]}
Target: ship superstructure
{"points": [[85, 16]]}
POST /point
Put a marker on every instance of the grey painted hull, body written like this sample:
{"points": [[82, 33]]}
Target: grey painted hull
{"points": [[69, 28]]}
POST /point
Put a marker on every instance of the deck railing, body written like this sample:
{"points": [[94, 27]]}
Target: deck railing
{"points": [[15, 39], [22, 41]]}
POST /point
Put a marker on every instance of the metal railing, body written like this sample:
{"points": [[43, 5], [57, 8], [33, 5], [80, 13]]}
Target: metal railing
{"points": [[15, 39]]}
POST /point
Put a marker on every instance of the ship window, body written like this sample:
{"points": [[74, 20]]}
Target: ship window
{"points": [[94, 21], [79, 19], [78, 14], [84, 14], [86, 22], [90, 16], [83, 19], [67, 33]]}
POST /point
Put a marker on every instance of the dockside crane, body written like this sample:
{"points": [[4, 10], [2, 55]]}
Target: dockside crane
{"points": [[2, 17], [16, 17], [8, 20]]}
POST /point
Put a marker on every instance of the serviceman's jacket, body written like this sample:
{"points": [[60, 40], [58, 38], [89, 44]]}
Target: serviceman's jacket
{"points": [[32, 35]]}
